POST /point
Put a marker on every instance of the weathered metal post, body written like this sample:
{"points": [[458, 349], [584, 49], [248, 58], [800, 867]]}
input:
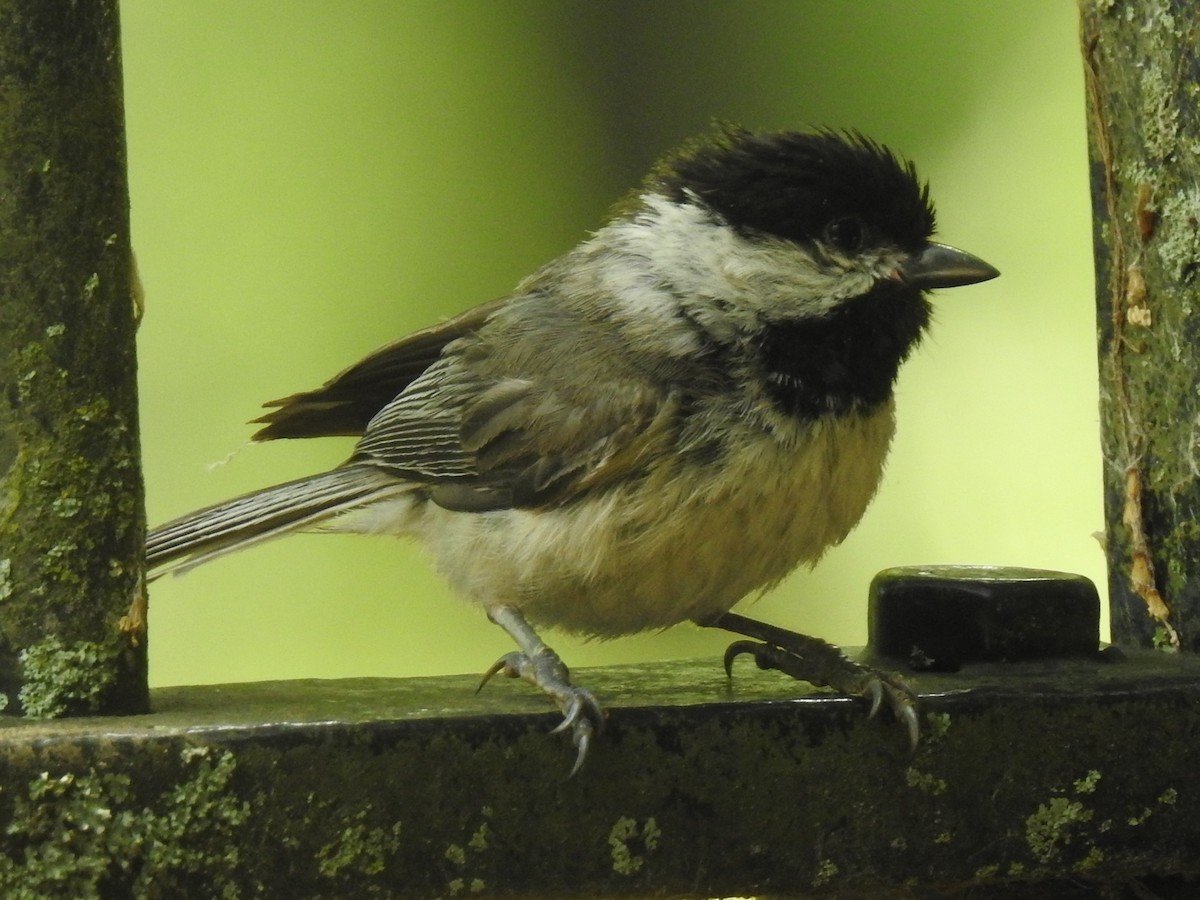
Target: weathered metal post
{"points": [[1142, 60], [72, 626]]}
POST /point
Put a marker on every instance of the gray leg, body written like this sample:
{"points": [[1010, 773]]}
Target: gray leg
{"points": [[541, 666]]}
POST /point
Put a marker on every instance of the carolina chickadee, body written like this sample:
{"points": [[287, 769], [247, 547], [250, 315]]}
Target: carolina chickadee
{"points": [[674, 414]]}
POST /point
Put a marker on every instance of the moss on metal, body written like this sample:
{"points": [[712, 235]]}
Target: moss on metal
{"points": [[1036, 774], [71, 519], [90, 832]]}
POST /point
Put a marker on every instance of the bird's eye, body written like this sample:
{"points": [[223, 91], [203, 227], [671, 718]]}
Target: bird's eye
{"points": [[846, 234]]}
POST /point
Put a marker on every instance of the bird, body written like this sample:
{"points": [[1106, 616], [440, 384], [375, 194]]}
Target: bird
{"points": [[675, 414]]}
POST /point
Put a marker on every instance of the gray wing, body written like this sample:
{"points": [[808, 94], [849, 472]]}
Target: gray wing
{"points": [[534, 409], [346, 403]]}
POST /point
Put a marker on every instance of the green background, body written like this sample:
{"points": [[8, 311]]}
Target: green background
{"points": [[310, 180]]}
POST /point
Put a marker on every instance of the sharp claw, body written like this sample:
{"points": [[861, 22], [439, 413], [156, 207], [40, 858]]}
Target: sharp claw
{"points": [[570, 716], [910, 718], [875, 695], [904, 707], [500, 665], [584, 717], [736, 649], [583, 740], [598, 714], [901, 701]]}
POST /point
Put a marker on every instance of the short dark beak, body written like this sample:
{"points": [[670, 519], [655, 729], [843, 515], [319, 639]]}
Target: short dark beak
{"points": [[939, 266]]}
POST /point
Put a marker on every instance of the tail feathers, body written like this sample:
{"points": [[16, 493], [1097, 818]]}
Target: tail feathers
{"points": [[286, 508]]}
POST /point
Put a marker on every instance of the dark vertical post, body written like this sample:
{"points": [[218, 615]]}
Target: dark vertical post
{"points": [[1143, 88], [72, 624]]}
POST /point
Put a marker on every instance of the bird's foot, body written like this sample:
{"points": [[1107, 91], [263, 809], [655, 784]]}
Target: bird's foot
{"points": [[582, 714], [825, 665]]}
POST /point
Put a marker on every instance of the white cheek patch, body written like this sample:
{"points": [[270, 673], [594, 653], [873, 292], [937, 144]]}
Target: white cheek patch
{"points": [[673, 256], [784, 280]]}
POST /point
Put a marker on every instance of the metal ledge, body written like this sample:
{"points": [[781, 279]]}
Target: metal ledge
{"points": [[699, 787]]}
